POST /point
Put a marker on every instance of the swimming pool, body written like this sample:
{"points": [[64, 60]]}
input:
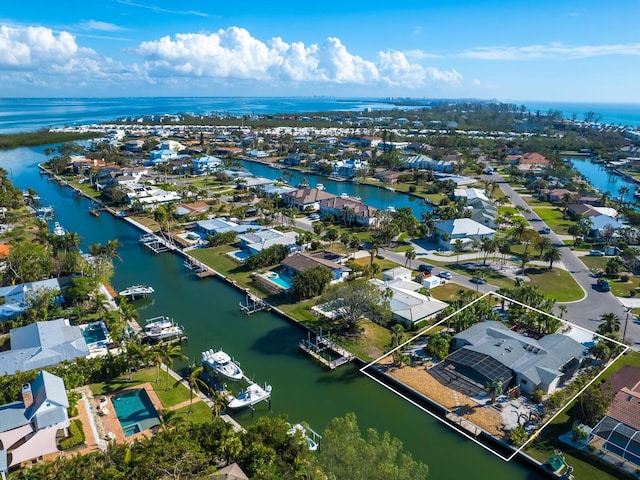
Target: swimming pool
{"points": [[240, 255], [280, 279], [94, 333], [135, 411]]}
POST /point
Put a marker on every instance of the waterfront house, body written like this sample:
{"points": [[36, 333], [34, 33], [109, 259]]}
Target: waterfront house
{"points": [[149, 196], [29, 427], [619, 430], [488, 353], [306, 198], [465, 229], [254, 242], [161, 156], [42, 344], [301, 261], [469, 193], [133, 146], [407, 305], [349, 168], [222, 225], [424, 162], [348, 211], [191, 209], [15, 299], [601, 223], [204, 165]]}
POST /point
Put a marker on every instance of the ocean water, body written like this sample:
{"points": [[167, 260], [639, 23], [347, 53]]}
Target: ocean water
{"points": [[611, 113], [29, 114]]}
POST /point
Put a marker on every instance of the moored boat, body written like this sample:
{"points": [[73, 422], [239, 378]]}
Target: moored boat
{"points": [[251, 395], [221, 364], [59, 230], [135, 291], [161, 328], [310, 437], [320, 186]]}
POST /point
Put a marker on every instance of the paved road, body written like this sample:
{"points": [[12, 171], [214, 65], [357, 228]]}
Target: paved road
{"points": [[586, 312]]}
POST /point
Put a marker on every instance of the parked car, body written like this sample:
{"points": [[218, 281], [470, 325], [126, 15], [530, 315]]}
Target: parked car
{"points": [[445, 275], [479, 281], [423, 267], [603, 285], [545, 230], [596, 253]]}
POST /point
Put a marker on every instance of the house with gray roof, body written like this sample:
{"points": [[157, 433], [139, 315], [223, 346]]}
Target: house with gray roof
{"points": [[407, 305], [42, 344], [255, 242], [28, 427], [17, 298], [464, 229], [222, 225], [301, 261], [489, 352]]}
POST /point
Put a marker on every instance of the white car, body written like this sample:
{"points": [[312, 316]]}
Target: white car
{"points": [[445, 275]]}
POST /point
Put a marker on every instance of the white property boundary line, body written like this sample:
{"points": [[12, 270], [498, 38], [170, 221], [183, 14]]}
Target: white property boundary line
{"points": [[453, 426]]}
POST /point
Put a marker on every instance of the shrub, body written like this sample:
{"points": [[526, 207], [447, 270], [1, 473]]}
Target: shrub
{"points": [[536, 396], [632, 293], [578, 433], [412, 188], [518, 435], [624, 277], [76, 435]]}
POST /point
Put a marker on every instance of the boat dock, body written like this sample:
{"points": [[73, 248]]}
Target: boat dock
{"points": [[320, 344], [200, 269], [157, 244], [465, 424], [253, 304]]}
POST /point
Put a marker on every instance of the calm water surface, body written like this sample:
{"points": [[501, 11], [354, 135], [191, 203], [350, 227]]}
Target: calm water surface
{"points": [[265, 344]]}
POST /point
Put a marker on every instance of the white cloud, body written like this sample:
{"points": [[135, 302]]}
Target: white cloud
{"points": [[234, 54], [558, 51], [98, 25], [38, 56], [156, 8]]}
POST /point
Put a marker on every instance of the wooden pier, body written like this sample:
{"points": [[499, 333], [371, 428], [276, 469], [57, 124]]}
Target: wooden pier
{"points": [[465, 424], [200, 269], [320, 344], [253, 304]]}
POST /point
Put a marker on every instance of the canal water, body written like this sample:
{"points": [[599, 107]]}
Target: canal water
{"points": [[376, 197], [602, 179], [265, 344]]}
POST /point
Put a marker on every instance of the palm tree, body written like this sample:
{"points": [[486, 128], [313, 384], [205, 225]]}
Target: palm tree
{"points": [[220, 401], [458, 246], [552, 254], [171, 353], [110, 249], [563, 310], [610, 323], [170, 418], [409, 255], [71, 241], [374, 247], [397, 336], [133, 353], [525, 257], [542, 244], [194, 381]]}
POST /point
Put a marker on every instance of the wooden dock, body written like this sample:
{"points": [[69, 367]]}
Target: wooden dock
{"points": [[465, 424], [320, 344]]}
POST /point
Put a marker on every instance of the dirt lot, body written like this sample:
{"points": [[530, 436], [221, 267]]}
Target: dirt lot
{"points": [[416, 377]]}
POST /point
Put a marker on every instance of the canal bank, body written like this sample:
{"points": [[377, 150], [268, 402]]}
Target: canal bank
{"points": [[266, 346]]}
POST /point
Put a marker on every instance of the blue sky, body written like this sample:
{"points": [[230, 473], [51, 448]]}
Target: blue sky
{"points": [[514, 50]]}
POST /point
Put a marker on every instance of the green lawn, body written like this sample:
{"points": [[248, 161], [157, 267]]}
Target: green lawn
{"points": [[200, 413], [594, 262], [621, 289], [176, 394], [448, 292], [556, 283], [375, 342], [553, 218]]}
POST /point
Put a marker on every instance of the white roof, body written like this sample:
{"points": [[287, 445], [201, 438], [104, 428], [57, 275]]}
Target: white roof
{"points": [[464, 226]]}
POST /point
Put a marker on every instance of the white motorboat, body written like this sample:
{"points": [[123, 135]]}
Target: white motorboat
{"points": [[391, 189], [320, 186], [59, 229], [310, 439], [221, 364], [161, 328], [135, 291], [45, 213], [251, 395], [391, 209]]}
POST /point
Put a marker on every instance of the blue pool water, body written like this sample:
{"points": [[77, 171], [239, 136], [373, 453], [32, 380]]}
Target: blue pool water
{"points": [[280, 279], [241, 255], [93, 334], [135, 411]]}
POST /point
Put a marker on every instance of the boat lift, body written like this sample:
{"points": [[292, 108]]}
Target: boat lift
{"points": [[320, 343], [253, 304]]}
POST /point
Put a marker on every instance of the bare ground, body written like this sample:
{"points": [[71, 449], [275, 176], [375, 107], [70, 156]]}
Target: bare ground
{"points": [[417, 377]]}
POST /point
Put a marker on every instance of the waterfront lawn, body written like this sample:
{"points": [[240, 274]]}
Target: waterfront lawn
{"points": [[553, 218], [215, 258], [300, 310], [200, 412], [176, 394], [375, 341]]}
